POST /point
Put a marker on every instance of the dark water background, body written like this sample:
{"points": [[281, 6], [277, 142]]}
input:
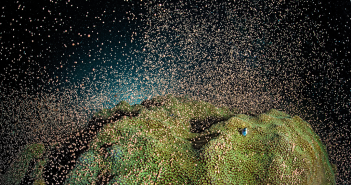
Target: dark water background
{"points": [[63, 60]]}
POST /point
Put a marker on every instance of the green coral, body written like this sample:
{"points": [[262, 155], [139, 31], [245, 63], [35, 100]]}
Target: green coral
{"points": [[159, 142], [87, 169], [158, 147], [18, 169], [278, 149]]}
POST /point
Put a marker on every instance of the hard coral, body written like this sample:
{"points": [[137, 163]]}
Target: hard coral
{"points": [[27, 166], [164, 145], [174, 140]]}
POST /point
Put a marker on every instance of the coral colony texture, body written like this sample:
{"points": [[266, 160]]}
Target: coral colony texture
{"points": [[177, 140]]}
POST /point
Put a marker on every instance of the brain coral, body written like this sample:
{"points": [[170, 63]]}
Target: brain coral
{"points": [[175, 140]]}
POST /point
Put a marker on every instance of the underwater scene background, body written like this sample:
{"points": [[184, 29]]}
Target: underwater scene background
{"points": [[65, 60]]}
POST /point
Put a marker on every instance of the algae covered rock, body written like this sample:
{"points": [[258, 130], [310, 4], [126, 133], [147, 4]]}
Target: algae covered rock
{"points": [[176, 140]]}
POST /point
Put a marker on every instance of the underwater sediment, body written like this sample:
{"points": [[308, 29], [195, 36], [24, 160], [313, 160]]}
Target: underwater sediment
{"points": [[176, 140]]}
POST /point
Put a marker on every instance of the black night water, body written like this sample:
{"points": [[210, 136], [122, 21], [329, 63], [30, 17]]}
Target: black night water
{"points": [[64, 60]]}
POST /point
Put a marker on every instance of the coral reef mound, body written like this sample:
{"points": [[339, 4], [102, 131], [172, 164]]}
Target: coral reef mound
{"points": [[176, 140]]}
